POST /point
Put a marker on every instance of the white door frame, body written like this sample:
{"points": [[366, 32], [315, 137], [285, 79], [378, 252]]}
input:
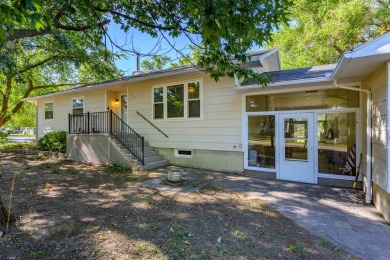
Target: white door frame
{"points": [[358, 116], [307, 166]]}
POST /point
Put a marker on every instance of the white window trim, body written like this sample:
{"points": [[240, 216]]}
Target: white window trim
{"points": [[186, 103], [44, 110], [183, 155], [71, 103]]}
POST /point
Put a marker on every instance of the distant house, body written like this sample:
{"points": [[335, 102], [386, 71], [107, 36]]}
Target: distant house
{"points": [[310, 125]]}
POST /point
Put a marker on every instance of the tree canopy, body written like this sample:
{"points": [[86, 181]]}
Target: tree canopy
{"points": [[49, 44], [320, 31]]}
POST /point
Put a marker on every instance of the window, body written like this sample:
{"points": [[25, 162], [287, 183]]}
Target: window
{"points": [[177, 101], [78, 106], [48, 110], [183, 153], [158, 94], [261, 141], [316, 99], [193, 100]]}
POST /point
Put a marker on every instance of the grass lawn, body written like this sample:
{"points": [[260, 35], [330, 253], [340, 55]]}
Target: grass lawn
{"points": [[68, 210]]}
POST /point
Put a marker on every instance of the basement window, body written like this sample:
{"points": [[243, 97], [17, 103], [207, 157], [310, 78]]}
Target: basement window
{"points": [[183, 153]]}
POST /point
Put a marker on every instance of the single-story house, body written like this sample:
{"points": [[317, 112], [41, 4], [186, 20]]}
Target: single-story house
{"points": [[314, 125]]}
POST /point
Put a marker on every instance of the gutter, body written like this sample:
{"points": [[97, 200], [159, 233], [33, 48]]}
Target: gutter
{"points": [[239, 87], [369, 137]]}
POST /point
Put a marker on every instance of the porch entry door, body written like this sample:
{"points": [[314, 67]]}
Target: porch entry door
{"points": [[124, 108], [296, 151]]}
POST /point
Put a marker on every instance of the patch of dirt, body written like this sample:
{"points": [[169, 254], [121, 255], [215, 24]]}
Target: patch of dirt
{"points": [[68, 210]]}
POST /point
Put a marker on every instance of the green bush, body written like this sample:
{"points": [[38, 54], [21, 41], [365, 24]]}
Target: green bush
{"points": [[54, 141], [3, 138]]}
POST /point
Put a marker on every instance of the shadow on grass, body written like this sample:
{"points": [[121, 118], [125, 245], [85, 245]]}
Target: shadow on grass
{"points": [[75, 211]]}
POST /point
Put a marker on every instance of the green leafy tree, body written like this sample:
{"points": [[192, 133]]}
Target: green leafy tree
{"points": [[50, 44], [320, 31], [155, 63]]}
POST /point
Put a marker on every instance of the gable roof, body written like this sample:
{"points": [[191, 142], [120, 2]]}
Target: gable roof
{"points": [[255, 56]]}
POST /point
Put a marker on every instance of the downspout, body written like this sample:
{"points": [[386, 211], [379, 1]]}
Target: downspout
{"points": [[368, 133]]}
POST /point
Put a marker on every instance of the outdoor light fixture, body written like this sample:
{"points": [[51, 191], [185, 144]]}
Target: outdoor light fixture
{"points": [[116, 101]]}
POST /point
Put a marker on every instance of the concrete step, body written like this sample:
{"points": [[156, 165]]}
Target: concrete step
{"points": [[151, 159], [151, 153], [154, 165]]}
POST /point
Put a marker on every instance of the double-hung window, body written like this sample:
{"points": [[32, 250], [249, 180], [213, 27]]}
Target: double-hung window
{"points": [[78, 106], [49, 110], [158, 104], [193, 100], [177, 101]]}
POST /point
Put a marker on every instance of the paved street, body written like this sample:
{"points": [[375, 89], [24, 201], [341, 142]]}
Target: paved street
{"points": [[20, 139]]}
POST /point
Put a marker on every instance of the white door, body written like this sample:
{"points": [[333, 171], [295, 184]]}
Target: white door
{"points": [[296, 151], [124, 108]]}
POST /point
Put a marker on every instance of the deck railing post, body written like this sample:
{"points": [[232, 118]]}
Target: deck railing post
{"points": [[88, 123], [143, 152], [69, 123], [110, 121]]}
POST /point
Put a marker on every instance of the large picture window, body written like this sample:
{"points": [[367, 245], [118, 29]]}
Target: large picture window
{"points": [[78, 106], [178, 101], [175, 101], [49, 111]]}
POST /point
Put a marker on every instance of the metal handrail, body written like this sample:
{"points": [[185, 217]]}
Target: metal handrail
{"points": [[128, 137], [158, 129], [108, 122]]}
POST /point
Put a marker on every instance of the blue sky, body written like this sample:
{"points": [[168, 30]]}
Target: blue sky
{"points": [[144, 43]]}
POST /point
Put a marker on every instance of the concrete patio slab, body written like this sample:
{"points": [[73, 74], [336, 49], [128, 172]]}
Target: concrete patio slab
{"points": [[353, 226]]}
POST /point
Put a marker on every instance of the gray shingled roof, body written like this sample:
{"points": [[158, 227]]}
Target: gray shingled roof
{"points": [[144, 75], [298, 74], [277, 76]]}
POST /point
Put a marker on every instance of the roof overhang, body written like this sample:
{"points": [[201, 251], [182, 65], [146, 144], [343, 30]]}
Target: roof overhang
{"points": [[105, 85], [365, 59], [290, 86]]}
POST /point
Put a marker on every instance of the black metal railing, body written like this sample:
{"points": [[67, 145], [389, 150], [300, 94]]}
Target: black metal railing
{"points": [[158, 129], [127, 136], [108, 122]]}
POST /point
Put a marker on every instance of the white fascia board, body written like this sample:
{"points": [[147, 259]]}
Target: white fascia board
{"points": [[342, 64], [287, 83], [326, 83], [371, 45]]}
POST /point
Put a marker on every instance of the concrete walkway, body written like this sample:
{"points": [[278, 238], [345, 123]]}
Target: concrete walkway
{"points": [[358, 228]]}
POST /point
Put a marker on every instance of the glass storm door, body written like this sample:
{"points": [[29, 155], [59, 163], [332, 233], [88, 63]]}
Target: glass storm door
{"points": [[124, 108], [296, 154]]}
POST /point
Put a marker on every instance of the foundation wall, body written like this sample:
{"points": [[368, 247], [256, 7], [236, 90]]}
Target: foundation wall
{"points": [[97, 148], [209, 160], [381, 201]]}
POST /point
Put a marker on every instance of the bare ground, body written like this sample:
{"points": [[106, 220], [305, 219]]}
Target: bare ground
{"points": [[69, 210]]}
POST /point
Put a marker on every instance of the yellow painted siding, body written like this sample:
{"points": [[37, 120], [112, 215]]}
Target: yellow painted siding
{"points": [[94, 101], [378, 84], [219, 129]]}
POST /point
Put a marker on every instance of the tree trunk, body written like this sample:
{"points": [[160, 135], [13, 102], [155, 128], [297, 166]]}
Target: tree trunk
{"points": [[4, 215]]}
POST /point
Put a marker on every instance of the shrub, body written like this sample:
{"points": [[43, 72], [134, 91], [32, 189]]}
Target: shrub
{"points": [[54, 141], [3, 138]]}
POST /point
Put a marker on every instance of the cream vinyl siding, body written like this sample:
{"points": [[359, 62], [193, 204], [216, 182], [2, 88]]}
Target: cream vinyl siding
{"points": [[377, 83], [219, 129], [94, 101]]}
